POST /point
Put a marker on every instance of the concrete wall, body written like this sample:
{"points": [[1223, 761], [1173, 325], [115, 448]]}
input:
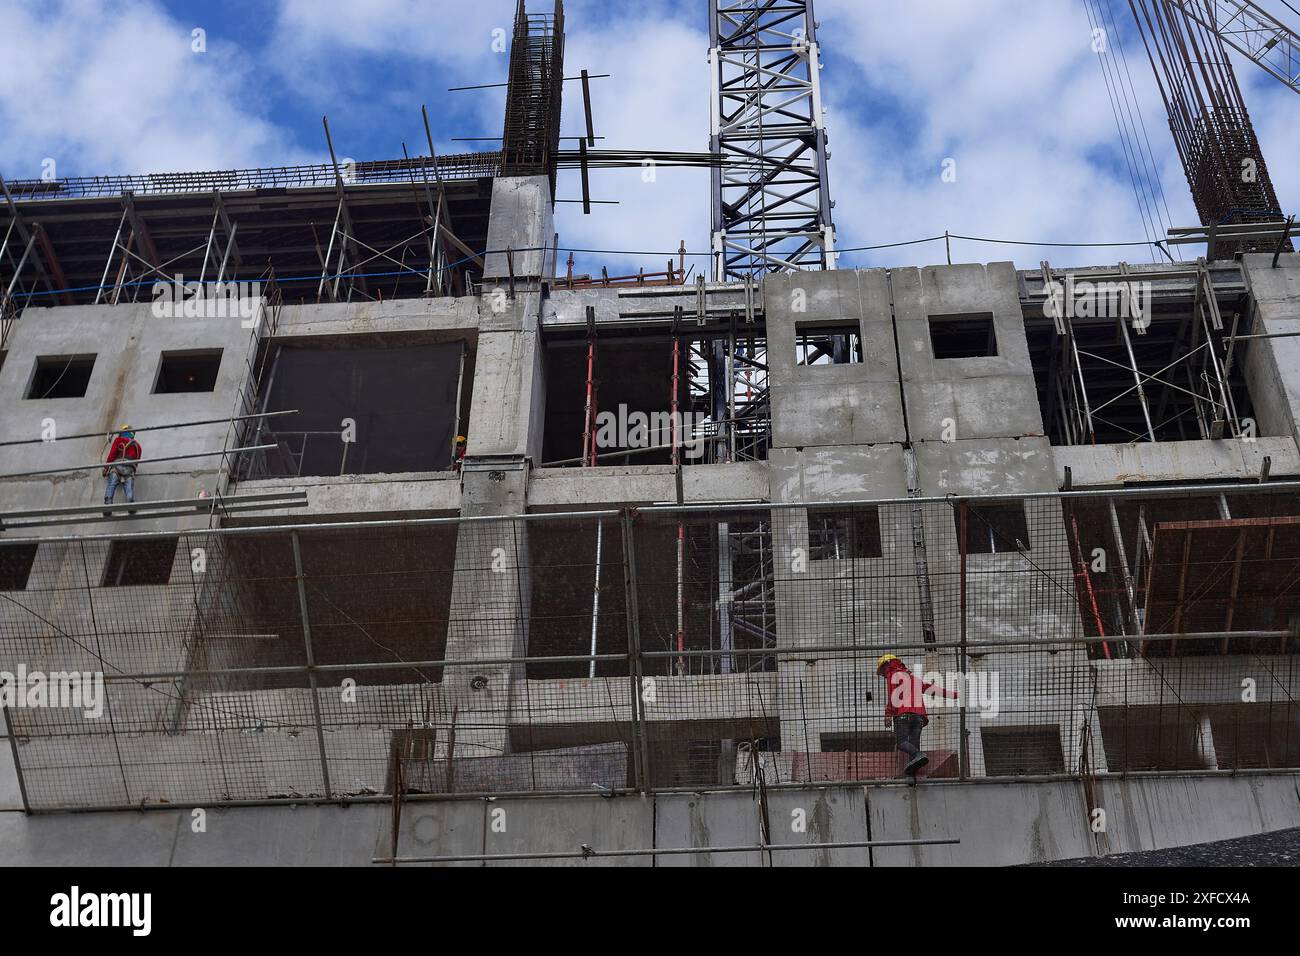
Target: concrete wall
{"points": [[1271, 365], [965, 398], [127, 342], [429, 320], [851, 404], [995, 824], [1099, 466]]}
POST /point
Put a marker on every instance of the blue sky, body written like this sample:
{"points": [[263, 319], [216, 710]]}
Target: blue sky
{"points": [[1009, 89]]}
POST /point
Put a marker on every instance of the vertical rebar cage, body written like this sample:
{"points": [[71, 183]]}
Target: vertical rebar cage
{"points": [[771, 198], [533, 98], [1212, 129]]}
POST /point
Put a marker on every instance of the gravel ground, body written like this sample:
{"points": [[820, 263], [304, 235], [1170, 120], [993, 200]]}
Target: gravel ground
{"points": [[1279, 848]]}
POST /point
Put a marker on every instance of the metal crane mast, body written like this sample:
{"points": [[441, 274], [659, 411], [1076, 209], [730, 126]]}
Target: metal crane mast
{"points": [[771, 199], [1211, 126], [1252, 32]]}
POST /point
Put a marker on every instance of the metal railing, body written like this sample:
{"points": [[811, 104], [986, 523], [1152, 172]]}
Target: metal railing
{"points": [[655, 649], [458, 166]]}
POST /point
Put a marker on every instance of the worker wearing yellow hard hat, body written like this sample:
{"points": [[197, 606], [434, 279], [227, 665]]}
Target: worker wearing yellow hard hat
{"points": [[119, 467], [905, 709]]}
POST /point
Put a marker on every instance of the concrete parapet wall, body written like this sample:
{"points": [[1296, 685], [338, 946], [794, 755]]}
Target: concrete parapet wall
{"points": [[997, 825]]}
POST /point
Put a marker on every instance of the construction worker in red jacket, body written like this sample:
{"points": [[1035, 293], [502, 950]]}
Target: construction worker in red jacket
{"points": [[905, 708], [119, 467]]}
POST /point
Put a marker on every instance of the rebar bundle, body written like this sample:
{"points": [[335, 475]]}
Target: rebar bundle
{"points": [[1211, 126]]}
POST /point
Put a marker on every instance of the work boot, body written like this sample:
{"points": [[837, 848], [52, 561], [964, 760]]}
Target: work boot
{"points": [[915, 764]]}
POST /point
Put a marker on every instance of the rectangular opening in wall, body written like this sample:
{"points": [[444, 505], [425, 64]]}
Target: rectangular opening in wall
{"points": [[572, 599], [379, 596], [189, 371], [720, 595], [844, 535], [364, 411], [631, 401], [139, 562], [1087, 382], [701, 753], [994, 529], [817, 343], [1261, 735], [61, 376], [1152, 737], [16, 562], [1020, 751], [963, 336]]}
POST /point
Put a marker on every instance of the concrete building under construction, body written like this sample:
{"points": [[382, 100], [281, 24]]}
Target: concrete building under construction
{"points": [[638, 611]]}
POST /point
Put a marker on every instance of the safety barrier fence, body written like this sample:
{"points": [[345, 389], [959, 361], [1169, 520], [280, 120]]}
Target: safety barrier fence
{"points": [[654, 649]]}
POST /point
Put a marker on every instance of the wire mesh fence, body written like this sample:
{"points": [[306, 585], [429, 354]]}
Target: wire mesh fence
{"points": [[655, 649]]}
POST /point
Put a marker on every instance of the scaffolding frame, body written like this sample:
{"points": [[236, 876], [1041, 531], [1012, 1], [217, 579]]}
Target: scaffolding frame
{"points": [[1196, 371]]}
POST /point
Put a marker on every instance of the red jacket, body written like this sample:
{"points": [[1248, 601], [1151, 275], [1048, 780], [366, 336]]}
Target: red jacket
{"points": [[907, 691], [124, 447]]}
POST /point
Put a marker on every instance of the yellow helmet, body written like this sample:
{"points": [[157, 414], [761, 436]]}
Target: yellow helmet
{"points": [[125, 428], [460, 439], [885, 659]]}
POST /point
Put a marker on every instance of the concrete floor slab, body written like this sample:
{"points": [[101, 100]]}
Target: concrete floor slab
{"points": [[1146, 814], [88, 839], [567, 823], [281, 836], [997, 825], [707, 819], [10, 796], [436, 829], [818, 816]]}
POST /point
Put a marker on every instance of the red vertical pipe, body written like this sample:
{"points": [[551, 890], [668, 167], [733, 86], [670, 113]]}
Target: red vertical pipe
{"points": [[681, 524]]}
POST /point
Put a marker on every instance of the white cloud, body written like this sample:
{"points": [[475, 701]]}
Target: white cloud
{"points": [[328, 54], [1014, 94], [656, 99], [1011, 91], [117, 89]]}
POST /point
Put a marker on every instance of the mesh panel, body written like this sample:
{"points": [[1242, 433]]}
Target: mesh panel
{"points": [[1049, 635]]}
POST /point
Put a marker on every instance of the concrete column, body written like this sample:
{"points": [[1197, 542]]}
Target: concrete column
{"points": [[491, 586], [521, 219], [1205, 751], [489, 608], [1269, 364]]}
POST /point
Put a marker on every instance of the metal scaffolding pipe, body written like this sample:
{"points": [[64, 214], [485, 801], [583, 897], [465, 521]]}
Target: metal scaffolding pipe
{"points": [[587, 852], [141, 461], [149, 428]]}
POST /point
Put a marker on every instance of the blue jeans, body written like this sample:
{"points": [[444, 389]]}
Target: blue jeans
{"points": [[907, 732], [127, 482]]}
